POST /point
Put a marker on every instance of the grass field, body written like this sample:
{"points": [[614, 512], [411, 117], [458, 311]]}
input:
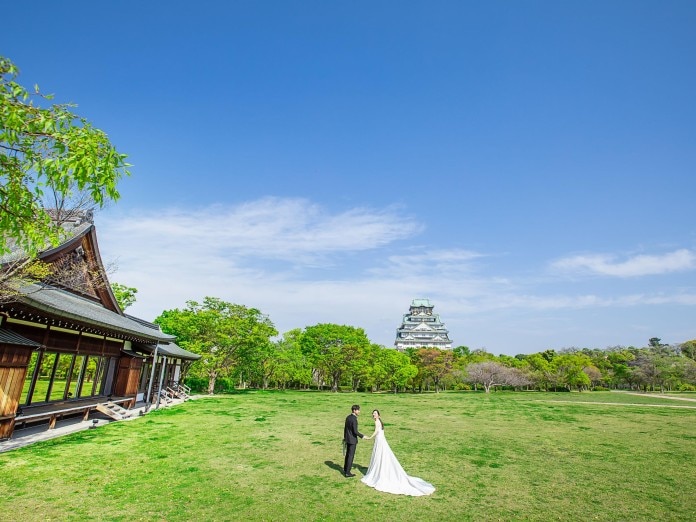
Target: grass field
{"points": [[277, 456]]}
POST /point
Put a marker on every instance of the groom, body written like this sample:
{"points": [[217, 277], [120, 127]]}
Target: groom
{"points": [[350, 438]]}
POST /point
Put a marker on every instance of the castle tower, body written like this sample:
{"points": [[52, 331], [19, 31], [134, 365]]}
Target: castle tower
{"points": [[421, 328]]}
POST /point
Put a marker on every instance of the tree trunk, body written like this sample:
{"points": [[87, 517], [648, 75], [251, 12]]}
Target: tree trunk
{"points": [[211, 383]]}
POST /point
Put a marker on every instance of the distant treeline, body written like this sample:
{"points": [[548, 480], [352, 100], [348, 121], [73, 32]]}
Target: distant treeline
{"points": [[301, 361]]}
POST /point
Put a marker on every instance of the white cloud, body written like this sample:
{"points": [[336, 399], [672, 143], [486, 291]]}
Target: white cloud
{"points": [[255, 253], [427, 260], [640, 265], [270, 228], [273, 254]]}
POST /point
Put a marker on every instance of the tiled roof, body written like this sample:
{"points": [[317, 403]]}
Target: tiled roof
{"points": [[10, 337], [171, 350], [79, 309], [71, 230]]}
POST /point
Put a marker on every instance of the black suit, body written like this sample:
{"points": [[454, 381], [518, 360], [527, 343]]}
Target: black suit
{"points": [[350, 436]]}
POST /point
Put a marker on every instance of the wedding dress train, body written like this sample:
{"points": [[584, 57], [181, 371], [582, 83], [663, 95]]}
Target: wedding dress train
{"points": [[386, 474]]}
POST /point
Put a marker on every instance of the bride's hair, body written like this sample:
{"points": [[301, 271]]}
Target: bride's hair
{"points": [[379, 418]]}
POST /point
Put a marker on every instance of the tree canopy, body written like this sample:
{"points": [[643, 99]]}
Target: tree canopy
{"points": [[125, 295], [47, 151], [222, 333], [334, 349]]}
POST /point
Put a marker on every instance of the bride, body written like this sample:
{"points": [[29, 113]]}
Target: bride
{"points": [[385, 473]]}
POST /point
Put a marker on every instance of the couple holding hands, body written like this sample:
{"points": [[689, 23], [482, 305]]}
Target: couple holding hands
{"points": [[384, 473]]}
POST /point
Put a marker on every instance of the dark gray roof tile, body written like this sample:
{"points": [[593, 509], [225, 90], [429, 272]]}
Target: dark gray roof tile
{"points": [[82, 310], [9, 337]]}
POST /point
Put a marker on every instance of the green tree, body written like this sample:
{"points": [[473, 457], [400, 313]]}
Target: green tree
{"points": [[570, 370], [655, 342], [333, 349], [461, 351], [125, 295], [688, 349], [47, 150], [390, 369], [548, 354], [219, 331], [540, 370], [291, 365], [433, 365]]}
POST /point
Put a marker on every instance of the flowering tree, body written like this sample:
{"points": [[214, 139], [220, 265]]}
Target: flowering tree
{"points": [[487, 374]]}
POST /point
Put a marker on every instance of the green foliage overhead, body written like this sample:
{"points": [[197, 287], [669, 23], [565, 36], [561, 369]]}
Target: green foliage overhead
{"points": [[125, 295], [47, 150]]}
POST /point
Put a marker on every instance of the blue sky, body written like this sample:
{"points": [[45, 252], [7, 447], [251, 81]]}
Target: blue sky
{"points": [[528, 166]]}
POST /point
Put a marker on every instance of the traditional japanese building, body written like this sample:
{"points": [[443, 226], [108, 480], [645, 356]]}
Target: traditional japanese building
{"points": [[66, 347], [421, 328]]}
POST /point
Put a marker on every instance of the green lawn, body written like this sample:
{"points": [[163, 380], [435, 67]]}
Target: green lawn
{"points": [[277, 456]]}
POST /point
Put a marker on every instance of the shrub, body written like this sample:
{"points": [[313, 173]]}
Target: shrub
{"points": [[197, 384], [600, 388], [224, 385]]}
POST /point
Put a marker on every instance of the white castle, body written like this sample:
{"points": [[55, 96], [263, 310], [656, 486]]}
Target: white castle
{"points": [[420, 328]]}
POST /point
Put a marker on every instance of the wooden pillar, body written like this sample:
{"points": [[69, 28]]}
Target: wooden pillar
{"points": [[14, 361]]}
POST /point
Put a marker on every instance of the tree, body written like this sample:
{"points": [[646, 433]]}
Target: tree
{"points": [[488, 374], [433, 365], [548, 354], [219, 331], [517, 378], [390, 368], [655, 342], [688, 349], [290, 364], [333, 348], [570, 370], [21, 273], [461, 351], [540, 370], [125, 295], [47, 151]]}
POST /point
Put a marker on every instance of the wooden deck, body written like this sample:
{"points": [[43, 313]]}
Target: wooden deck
{"points": [[56, 410]]}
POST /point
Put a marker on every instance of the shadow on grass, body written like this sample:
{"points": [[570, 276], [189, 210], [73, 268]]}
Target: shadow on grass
{"points": [[337, 467], [334, 466]]}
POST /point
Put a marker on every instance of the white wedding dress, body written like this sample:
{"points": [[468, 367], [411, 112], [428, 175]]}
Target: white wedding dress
{"points": [[386, 474]]}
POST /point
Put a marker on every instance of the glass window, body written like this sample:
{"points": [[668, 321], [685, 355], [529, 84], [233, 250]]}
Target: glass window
{"points": [[43, 380], [30, 375], [145, 376], [75, 379], [99, 365], [100, 380], [60, 379], [88, 375]]}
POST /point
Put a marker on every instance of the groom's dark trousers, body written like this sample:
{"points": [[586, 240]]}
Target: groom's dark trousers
{"points": [[350, 435]]}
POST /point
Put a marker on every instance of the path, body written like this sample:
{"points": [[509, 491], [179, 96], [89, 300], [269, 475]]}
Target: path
{"points": [[660, 396], [623, 404]]}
